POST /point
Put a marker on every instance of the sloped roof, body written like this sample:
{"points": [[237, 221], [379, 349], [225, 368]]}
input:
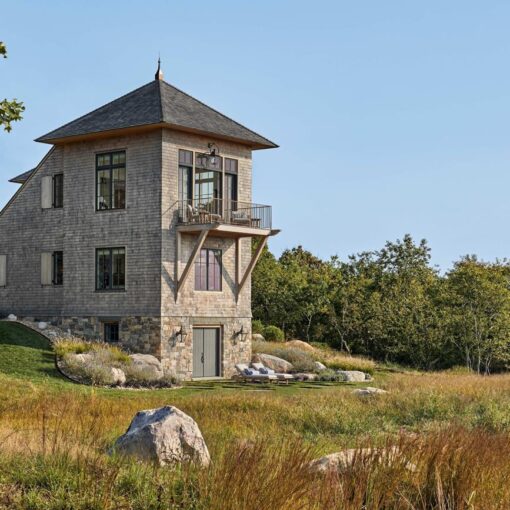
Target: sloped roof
{"points": [[158, 103], [20, 179]]}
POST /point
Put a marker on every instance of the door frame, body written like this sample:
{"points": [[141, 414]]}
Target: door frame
{"points": [[219, 328]]}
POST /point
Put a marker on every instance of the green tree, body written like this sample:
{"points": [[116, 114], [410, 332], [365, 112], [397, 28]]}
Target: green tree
{"points": [[477, 296], [10, 110]]}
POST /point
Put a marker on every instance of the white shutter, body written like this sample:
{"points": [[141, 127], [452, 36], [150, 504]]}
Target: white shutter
{"points": [[46, 268], [47, 192], [3, 270]]}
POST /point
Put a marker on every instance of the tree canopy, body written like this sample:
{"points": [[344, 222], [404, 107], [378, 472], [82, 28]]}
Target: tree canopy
{"points": [[10, 110]]}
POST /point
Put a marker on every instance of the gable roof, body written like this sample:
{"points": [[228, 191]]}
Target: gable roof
{"points": [[21, 178], [157, 104]]}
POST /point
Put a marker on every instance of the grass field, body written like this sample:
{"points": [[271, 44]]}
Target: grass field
{"points": [[451, 427]]}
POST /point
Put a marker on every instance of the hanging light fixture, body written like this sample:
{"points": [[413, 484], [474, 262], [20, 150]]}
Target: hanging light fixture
{"points": [[213, 152]]}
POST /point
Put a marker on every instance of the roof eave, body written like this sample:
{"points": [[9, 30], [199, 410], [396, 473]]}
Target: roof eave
{"points": [[147, 127]]}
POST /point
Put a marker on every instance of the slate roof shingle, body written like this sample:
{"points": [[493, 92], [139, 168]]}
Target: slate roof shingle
{"points": [[158, 102], [20, 179]]}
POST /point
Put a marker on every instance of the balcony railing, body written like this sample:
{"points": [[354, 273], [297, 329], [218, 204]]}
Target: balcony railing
{"points": [[230, 212]]}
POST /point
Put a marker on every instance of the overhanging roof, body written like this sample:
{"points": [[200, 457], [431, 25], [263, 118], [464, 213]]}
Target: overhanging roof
{"points": [[157, 104], [20, 179]]}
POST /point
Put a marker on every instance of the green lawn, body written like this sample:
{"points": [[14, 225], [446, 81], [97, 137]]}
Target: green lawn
{"points": [[25, 354]]}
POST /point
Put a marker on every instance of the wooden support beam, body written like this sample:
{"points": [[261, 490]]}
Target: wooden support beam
{"points": [[253, 262], [238, 267], [196, 250], [178, 237]]}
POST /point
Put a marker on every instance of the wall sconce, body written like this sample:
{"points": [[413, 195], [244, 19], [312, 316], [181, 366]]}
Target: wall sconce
{"points": [[241, 334], [213, 152], [179, 335]]}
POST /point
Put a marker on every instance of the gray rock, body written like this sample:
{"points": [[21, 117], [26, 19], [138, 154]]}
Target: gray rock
{"points": [[118, 375], [352, 375], [305, 376], [340, 461], [42, 325], [369, 391], [257, 337], [149, 363], [277, 364], [12, 317], [164, 436], [84, 358], [320, 366]]}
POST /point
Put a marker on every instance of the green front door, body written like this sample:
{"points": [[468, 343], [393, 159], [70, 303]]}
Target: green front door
{"points": [[206, 352]]}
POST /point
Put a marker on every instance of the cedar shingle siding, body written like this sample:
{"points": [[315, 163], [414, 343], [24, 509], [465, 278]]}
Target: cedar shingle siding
{"points": [[146, 310]]}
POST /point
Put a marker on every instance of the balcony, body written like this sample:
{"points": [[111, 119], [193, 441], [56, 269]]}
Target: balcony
{"points": [[224, 217]]}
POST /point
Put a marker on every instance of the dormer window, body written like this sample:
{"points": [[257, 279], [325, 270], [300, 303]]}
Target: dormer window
{"points": [[111, 181]]}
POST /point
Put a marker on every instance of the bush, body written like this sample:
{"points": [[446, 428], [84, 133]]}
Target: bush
{"points": [[73, 345], [273, 334], [95, 373], [257, 328]]}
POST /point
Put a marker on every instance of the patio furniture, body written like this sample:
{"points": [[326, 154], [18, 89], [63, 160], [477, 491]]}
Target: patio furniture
{"points": [[240, 218], [245, 373], [264, 370]]}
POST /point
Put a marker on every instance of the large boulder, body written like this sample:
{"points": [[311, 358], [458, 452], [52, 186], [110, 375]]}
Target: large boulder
{"points": [[148, 363], [299, 344], [84, 358], [353, 375], [277, 364], [164, 436], [12, 317], [42, 325], [257, 337]]}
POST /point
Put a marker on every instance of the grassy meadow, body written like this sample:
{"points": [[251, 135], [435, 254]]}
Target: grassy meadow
{"points": [[450, 431]]}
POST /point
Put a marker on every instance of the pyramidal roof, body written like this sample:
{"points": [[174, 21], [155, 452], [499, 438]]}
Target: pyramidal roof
{"points": [[157, 104]]}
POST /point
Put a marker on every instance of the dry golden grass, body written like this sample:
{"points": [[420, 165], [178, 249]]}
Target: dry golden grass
{"points": [[451, 428]]}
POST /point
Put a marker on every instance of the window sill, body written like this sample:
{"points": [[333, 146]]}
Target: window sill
{"points": [[109, 291], [119, 209]]}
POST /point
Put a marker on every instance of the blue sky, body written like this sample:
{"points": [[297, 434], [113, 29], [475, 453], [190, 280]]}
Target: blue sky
{"points": [[392, 117]]}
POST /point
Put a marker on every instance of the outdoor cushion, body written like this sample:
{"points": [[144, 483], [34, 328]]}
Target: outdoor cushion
{"points": [[265, 370], [251, 371]]}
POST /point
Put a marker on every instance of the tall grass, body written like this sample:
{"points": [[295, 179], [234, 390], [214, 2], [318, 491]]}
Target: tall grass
{"points": [[451, 433]]}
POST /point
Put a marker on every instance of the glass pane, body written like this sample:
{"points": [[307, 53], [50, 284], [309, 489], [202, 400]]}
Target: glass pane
{"points": [[201, 271], [119, 188], [118, 158], [118, 268], [103, 159], [103, 200], [215, 270], [103, 269]]}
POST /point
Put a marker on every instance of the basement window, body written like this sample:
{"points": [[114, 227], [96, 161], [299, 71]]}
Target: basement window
{"points": [[111, 332]]}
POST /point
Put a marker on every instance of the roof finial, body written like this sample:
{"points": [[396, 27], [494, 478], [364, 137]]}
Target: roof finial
{"points": [[159, 72]]}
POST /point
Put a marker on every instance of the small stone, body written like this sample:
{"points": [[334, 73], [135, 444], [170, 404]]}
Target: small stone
{"points": [[42, 325], [352, 375], [119, 377], [369, 391], [320, 366], [12, 317]]}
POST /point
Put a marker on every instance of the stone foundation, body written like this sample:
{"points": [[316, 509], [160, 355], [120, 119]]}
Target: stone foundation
{"points": [[168, 338]]}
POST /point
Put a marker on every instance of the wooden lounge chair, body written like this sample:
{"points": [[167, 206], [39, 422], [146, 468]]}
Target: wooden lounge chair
{"points": [[245, 373], [264, 370]]}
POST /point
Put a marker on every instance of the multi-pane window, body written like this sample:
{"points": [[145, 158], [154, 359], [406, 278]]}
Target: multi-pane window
{"points": [[111, 181], [208, 270], [58, 190], [111, 332], [58, 268], [185, 175], [110, 268]]}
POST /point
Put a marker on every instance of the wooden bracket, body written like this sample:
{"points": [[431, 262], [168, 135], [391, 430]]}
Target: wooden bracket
{"points": [[196, 250], [251, 265]]}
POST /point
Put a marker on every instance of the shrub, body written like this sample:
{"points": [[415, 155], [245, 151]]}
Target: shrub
{"points": [[74, 345], [273, 334], [95, 373], [257, 328]]}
